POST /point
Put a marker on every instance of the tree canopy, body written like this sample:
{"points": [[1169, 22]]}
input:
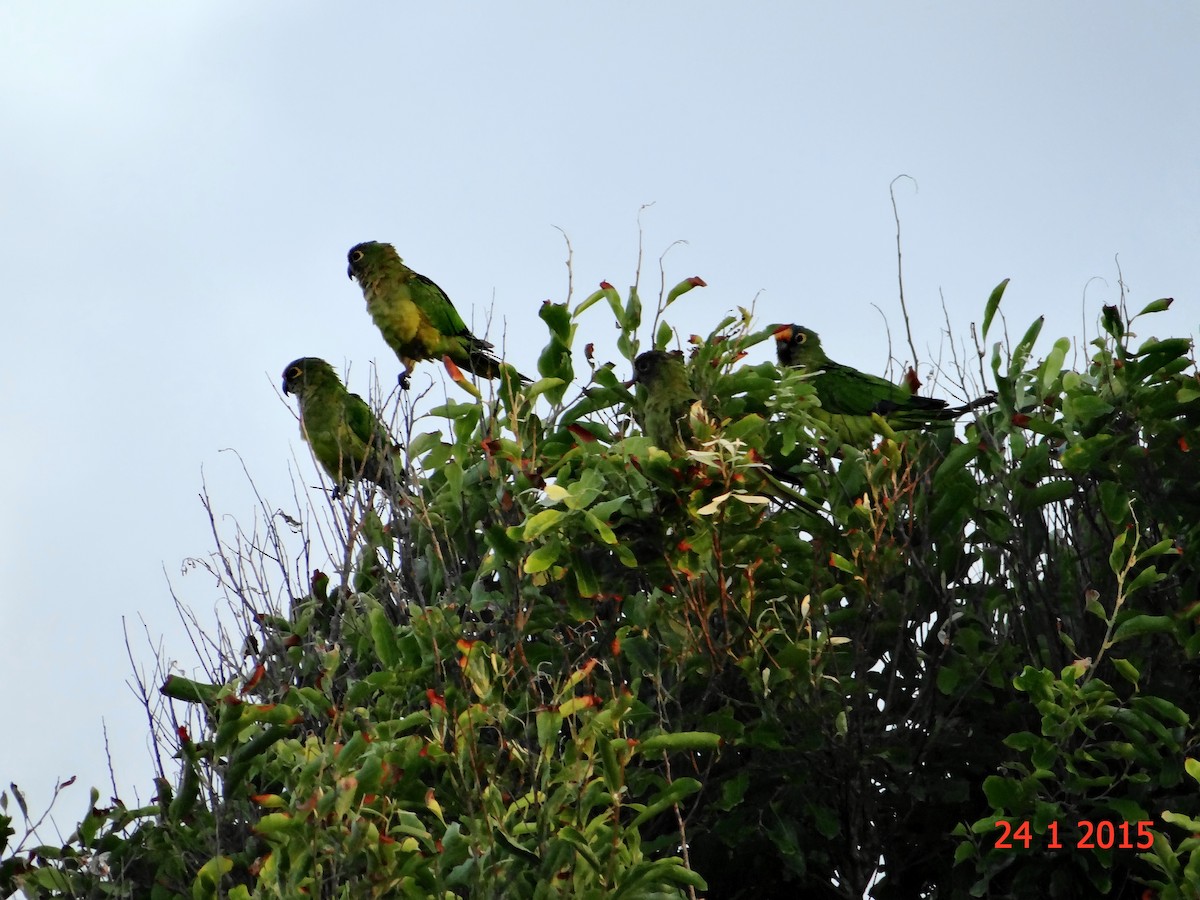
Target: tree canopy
{"points": [[564, 662]]}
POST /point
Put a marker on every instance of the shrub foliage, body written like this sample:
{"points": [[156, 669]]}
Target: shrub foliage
{"points": [[563, 663]]}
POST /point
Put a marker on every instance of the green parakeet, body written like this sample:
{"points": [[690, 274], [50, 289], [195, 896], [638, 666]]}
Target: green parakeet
{"points": [[347, 439], [415, 316], [849, 397], [668, 399]]}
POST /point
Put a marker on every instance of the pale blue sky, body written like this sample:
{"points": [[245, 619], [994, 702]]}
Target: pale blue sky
{"points": [[180, 182]]}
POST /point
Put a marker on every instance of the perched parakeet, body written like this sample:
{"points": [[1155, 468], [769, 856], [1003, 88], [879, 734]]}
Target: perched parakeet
{"points": [[415, 316], [668, 399], [849, 397], [347, 439]]}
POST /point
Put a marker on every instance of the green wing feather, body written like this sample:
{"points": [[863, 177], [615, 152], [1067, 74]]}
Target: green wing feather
{"points": [[435, 305], [363, 423], [855, 393]]}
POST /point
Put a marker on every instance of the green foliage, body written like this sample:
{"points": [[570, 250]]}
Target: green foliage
{"points": [[568, 663]]}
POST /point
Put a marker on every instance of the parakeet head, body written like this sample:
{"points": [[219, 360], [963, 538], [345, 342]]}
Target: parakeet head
{"points": [[658, 366], [365, 258], [799, 346], [308, 371]]}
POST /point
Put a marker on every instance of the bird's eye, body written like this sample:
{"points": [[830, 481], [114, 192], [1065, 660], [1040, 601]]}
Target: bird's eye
{"points": [[356, 256], [802, 336], [294, 372]]}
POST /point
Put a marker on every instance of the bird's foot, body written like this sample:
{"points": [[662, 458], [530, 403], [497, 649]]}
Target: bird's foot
{"points": [[403, 381]]}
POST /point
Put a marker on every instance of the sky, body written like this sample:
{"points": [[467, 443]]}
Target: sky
{"points": [[180, 183]]}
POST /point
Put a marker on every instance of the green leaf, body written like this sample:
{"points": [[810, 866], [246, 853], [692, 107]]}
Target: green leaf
{"points": [[573, 837], [1161, 305], [1163, 351], [637, 878], [1002, 793], [1192, 767], [956, 460], [1166, 545], [1185, 822], [54, 880], [1044, 427], [549, 722], [383, 637], [1024, 346], [840, 562], [948, 678], [511, 843], [1023, 741], [543, 557], [454, 410], [993, 303], [984, 825], [1117, 556], [557, 318], [663, 336], [423, 443], [437, 456], [276, 826], [632, 319], [586, 578], [606, 292], [676, 791], [626, 556], [1085, 407], [683, 287], [1161, 708], [1052, 367], [1035, 682], [952, 505], [601, 530], [1087, 454], [605, 509], [209, 876], [542, 385], [733, 790], [1126, 669], [539, 523], [1050, 492], [680, 741], [1137, 626], [1148, 576]]}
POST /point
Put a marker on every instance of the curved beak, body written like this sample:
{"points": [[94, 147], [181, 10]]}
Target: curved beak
{"points": [[285, 390], [784, 333]]}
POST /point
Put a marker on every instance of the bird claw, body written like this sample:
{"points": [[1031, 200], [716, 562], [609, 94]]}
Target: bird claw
{"points": [[403, 381]]}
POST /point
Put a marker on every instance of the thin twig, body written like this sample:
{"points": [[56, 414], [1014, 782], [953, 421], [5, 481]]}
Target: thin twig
{"points": [[570, 265], [683, 844], [900, 265]]}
